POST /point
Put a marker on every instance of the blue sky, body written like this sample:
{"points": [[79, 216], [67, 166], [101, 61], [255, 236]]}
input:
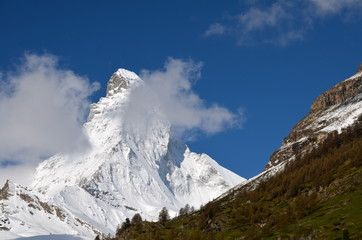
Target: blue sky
{"points": [[269, 58]]}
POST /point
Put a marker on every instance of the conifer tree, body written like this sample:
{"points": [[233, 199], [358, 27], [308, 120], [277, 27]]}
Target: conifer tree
{"points": [[163, 217]]}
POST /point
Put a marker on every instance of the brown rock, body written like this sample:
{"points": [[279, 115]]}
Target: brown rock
{"points": [[26, 198], [4, 192], [359, 69], [115, 84], [338, 94]]}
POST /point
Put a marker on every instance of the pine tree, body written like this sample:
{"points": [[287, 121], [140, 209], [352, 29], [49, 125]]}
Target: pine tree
{"points": [[136, 219], [163, 217]]}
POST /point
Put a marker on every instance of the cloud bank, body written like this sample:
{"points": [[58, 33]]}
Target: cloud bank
{"points": [[170, 91], [42, 109], [282, 22]]}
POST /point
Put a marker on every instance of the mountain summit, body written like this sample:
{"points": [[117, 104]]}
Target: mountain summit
{"points": [[126, 168], [122, 79]]}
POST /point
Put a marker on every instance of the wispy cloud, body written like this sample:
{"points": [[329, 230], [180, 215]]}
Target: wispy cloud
{"points": [[170, 90], [215, 29], [42, 109], [255, 18], [327, 7], [281, 22]]}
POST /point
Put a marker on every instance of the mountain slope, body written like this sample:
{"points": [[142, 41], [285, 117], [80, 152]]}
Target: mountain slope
{"points": [[129, 164], [316, 196], [333, 110], [26, 212], [311, 188]]}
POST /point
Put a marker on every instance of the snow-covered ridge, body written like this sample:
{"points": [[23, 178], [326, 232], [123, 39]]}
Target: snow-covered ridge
{"points": [[335, 109], [355, 76], [124, 169], [314, 128], [24, 213], [127, 74]]}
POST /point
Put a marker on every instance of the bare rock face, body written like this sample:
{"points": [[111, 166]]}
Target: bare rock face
{"points": [[122, 80], [4, 192], [333, 110], [116, 83], [338, 94]]}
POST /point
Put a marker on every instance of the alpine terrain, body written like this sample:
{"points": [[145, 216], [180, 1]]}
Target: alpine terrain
{"points": [[130, 165], [310, 189], [335, 109]]}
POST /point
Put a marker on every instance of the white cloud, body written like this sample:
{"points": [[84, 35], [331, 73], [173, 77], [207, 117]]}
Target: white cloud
{"points": [[42, 109], [215, 29], [21, 174], [171, 90], [289, 36], [284, 21], [327, 7], [255, 18]]}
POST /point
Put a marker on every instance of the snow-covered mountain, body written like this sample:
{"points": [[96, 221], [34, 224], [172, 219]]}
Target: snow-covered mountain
{"points": [[131, 164]]}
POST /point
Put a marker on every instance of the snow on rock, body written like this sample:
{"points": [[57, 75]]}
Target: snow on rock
{"points": [[335, 109], [51, 237], [24, 213], [125, 169], [355, 76]]}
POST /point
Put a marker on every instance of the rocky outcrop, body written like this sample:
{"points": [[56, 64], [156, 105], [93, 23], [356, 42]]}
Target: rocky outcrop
{"points": [[338, 94], [4, 191], [333, 110], [115, 83], [122, 79]]}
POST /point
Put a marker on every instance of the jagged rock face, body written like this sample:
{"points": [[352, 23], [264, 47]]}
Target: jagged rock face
{"points": [[116, 82], [4, 192], [121, 80], [338, 94], [333, 110]]}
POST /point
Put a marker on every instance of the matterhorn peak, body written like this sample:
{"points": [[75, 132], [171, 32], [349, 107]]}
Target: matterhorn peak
{"points": [[122, 79], [128, 167]]}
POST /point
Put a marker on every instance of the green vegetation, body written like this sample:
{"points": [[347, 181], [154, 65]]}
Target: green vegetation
{"points": [[316, 196]]}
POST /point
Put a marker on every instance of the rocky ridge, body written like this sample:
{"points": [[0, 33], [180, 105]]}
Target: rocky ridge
{"points": [[333, 110], [22, 209]]}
